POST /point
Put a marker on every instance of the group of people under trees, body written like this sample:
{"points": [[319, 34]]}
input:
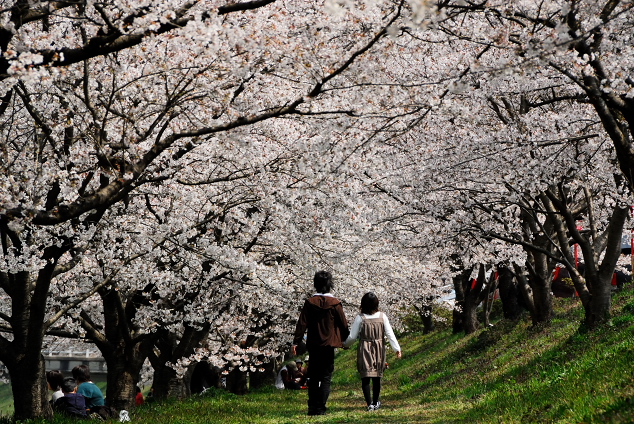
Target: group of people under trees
{"points": [[77, 396], [323, 320]]}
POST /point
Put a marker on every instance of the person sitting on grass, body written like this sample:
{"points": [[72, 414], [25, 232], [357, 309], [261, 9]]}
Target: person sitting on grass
{"points": [[71, 404], [302, 373], [294, 377], [87, 388], [55, 379], [289, 377], [138, 400]]}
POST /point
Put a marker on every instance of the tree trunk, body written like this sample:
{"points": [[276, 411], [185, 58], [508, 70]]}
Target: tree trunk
{"points": [[540, 277], [602, 274], [28, 383], [470, 322], [22, 355], [492, 285], [540, 261], [543, 300], [171, 348], [427, 319], [167, 384], [458, 313], [425, 315], [595, 287], [204, 376], [601, 303], [509, 294], [259, 379], [525, 289], [123, 376], [122, 348], [237, 381], [458, 310]]}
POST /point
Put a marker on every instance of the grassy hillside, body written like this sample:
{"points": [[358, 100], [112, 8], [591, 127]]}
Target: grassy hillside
{"points": [[6, 399], [510, 373]]}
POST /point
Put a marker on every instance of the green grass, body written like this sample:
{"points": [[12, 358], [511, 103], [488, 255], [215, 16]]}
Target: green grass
{"points": [[6, 399], [510, 373]]}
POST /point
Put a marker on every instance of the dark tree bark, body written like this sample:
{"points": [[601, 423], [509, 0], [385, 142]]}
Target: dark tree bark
{"points": [[472, 300], [22, 355], [594, 286], [171, 348], [167, 384], [488, 293], [123, 346], [525, 289], [264, 378], [509, 293], [28, 384], [425, 314], [540, 282], [541, 258], [204, 376], [459, 283], [237, 381], [467, 299]]}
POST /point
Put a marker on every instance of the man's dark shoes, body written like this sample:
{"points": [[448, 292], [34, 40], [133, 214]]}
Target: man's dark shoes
{"points": [[316, 412]]}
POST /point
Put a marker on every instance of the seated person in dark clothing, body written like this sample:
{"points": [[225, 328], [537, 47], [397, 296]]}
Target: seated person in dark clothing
{"points": [[71, 404], [302, 372], [291, 376]]}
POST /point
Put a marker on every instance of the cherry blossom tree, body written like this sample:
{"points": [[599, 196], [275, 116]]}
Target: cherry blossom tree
{"points": [[519, 68], [569, 49], [176, 171], [101, 100]]}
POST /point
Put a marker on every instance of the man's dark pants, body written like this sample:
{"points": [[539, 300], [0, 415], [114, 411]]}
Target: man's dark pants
{"points": [[322, 364]]}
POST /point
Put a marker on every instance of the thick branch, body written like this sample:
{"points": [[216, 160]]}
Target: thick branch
{"points": [[247, 5]]}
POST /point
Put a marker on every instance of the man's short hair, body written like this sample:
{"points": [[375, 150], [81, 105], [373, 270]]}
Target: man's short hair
{"points": [[68, 385], [323, 281], [81, 373]]}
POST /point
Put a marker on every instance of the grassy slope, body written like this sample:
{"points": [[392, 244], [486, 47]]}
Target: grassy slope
{"points": [[6, 399], [510, 373]]}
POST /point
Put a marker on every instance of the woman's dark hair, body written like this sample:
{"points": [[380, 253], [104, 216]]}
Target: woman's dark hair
{"points": [[81, 373], [55, 379], [323, 282], [369, 303], [68, 385]]}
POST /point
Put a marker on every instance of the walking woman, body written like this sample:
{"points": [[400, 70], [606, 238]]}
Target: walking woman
{"points": [[371, 327]]}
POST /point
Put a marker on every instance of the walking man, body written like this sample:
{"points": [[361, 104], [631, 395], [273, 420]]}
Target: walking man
{"points": [[323, 317]]}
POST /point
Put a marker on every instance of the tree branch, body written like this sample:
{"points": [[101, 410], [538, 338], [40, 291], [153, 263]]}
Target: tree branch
{"points": [[248, 5]]}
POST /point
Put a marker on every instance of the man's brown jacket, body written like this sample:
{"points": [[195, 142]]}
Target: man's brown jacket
{"points": [[323, 317]]}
